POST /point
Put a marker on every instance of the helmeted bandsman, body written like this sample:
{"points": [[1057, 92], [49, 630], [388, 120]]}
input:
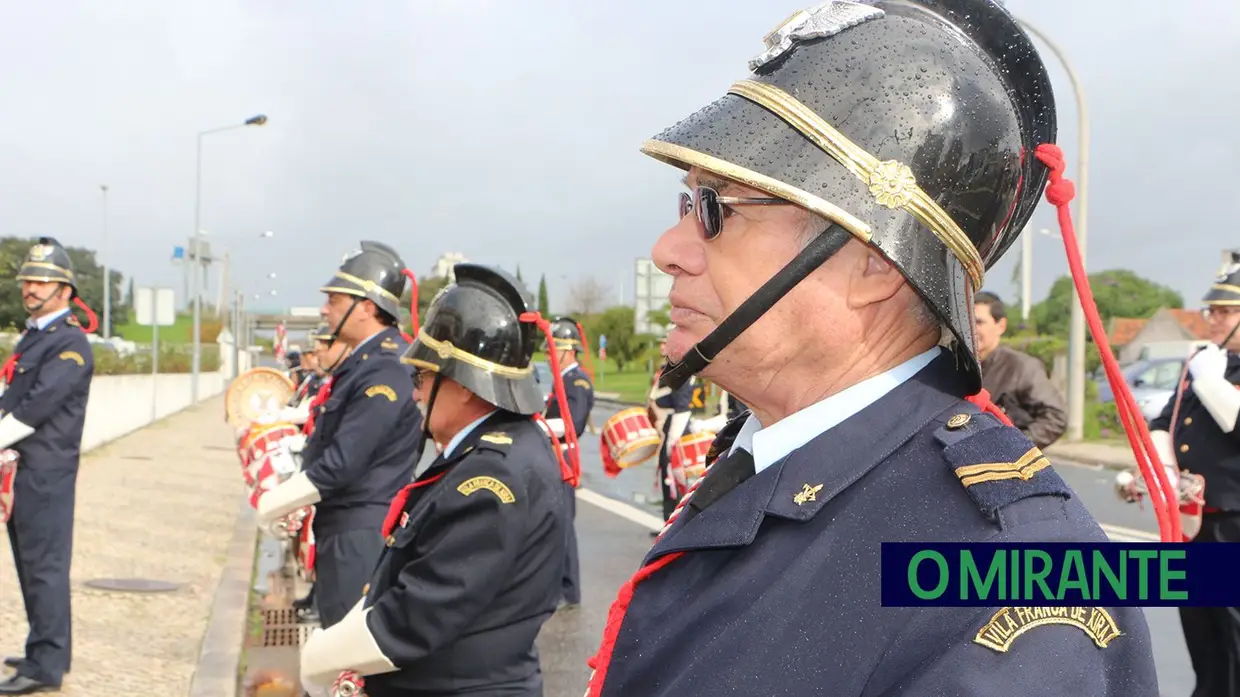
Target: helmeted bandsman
{"points": [[476, 544], [1197, 432], [42, 413], [844, 199], [366, 432], [568, 342]]}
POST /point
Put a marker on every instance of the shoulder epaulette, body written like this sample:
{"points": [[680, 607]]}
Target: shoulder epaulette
{"points": [[997, 464], [497, 441]]}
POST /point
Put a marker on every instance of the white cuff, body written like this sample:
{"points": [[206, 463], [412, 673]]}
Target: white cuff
{"points": [[12, 430], [556, 426], [295, 493], [1165, 448], [346, 645], [295, 444], [677, 427], [1221, 399], [296, 415]]}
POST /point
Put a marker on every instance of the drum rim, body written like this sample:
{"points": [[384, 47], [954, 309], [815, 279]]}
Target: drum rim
{"points": [[649, 440], [236, 419]]}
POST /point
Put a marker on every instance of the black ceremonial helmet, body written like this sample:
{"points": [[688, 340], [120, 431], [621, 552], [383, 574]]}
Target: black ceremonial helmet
{"points": [[374, 272], [321, 333], [48, 262], [566, 334], [909, 125], [473, 334], [1226, 288]]}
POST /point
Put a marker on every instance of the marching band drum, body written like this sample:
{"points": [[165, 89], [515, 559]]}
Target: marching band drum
{"points": [[629, 438], [8, 470], [269, 449], [687, 460]]}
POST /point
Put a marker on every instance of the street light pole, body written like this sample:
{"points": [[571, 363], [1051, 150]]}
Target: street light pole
{"points": [[107, 275], [1026, 274], [1076, 333], [196, 252]]}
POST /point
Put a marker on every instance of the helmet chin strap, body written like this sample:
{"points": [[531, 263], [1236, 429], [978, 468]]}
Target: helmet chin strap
{"points": [[42, 301], [426, 418], [815, 254]]}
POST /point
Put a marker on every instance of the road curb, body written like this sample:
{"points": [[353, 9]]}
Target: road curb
{"points": [[220, 656]]}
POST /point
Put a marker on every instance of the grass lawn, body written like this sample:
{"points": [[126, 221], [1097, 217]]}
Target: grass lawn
{"points": [[633, 384], [179, 333]]}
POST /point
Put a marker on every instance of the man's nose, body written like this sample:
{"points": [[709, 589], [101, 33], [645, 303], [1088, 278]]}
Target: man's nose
{"points": [[680, 248]]}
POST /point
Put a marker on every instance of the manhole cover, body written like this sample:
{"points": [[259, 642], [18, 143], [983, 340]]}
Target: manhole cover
{"points": [[133, 585]]}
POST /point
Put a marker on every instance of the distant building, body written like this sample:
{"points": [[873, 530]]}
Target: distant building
{"points": [[1129, 335], [443, 266]]}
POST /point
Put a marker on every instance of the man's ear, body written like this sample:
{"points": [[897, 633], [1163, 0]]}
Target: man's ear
{"points": [[876, 280]]}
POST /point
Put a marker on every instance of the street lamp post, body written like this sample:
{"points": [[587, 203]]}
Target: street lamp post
{"points": [[107, 275], [196, 251], [1076, 333]]}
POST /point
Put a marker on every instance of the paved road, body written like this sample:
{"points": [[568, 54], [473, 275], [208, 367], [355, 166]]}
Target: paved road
{"points": [[626, 541]]}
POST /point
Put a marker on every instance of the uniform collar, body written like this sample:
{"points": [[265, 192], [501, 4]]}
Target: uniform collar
{"points": [[798, 486], [768, 445], [357, 355], [43, 322], [462, 434], [565, 369]]}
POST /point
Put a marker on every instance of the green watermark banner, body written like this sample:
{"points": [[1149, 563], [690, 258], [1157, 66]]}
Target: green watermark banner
{"points": [[1059, 574]]}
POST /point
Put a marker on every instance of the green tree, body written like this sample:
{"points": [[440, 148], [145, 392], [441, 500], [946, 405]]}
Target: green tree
{"points": [[618, 324], [1117, 292], [86, 270], [544, 307]]}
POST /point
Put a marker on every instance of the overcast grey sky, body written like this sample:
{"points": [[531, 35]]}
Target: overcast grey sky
{"points": [[509, 131]]}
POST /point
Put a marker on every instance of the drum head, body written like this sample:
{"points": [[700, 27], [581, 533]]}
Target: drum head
{"points": [[256, 392]]}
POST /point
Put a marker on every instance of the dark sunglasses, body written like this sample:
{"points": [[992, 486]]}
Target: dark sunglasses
{"points": [[712, 208]]}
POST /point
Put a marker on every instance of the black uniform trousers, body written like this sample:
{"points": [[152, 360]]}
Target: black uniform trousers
{"points": [[1213, 633], [343, 564], [41, 537], [571, 583]]}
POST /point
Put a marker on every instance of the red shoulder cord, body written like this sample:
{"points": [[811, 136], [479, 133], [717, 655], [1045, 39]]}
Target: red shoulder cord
{"points": [[92, 322], [413, 306], [570, 435], [402, 497], [585, 348], [1059, 192]]}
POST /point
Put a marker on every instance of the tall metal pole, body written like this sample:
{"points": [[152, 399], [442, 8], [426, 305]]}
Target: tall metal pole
{"points": [[196, 282], [1076, 334], [107, 275], [1026, 273]]}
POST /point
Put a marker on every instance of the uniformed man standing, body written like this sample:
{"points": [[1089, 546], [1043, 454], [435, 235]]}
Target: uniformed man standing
{"points": [[365, 434], [1203, 440], [729, 408], [44, 409], [579, 393], [844, 200], [672, 409], [475, 546]]}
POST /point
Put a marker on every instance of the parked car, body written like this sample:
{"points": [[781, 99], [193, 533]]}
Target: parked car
{"points": [[1152, 383]]}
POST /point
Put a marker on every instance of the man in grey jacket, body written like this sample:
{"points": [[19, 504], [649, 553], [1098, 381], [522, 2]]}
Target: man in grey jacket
{"points": [[1016, 381]]}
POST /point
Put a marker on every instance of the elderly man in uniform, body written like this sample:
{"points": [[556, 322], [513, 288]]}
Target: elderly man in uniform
{"points": [[579, 393], [1201, 437], [365, 435], [44, 409], [844, 200], [476, 544]]}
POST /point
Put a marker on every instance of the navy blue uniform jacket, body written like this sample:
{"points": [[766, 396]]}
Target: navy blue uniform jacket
{"points": [[1202, 447], [49, 391], [579, 394], [472, 568], [779, 591], [365, 437]]}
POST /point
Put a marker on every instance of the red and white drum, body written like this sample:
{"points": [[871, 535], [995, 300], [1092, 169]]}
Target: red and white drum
{"points": [[8, 475], [629, 437], [305, 547], [687, 461], [262, 440]]}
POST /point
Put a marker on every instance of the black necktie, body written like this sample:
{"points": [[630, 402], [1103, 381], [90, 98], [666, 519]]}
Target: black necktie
{"points": [[724, 476]]}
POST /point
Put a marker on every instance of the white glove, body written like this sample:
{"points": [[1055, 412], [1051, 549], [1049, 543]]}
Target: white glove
{"points": [[295, 444], [695, 425], [1166, 453], [1209, 362]]}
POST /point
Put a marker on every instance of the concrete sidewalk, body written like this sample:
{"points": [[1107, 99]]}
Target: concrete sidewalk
{"points": [[159, 504]]}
